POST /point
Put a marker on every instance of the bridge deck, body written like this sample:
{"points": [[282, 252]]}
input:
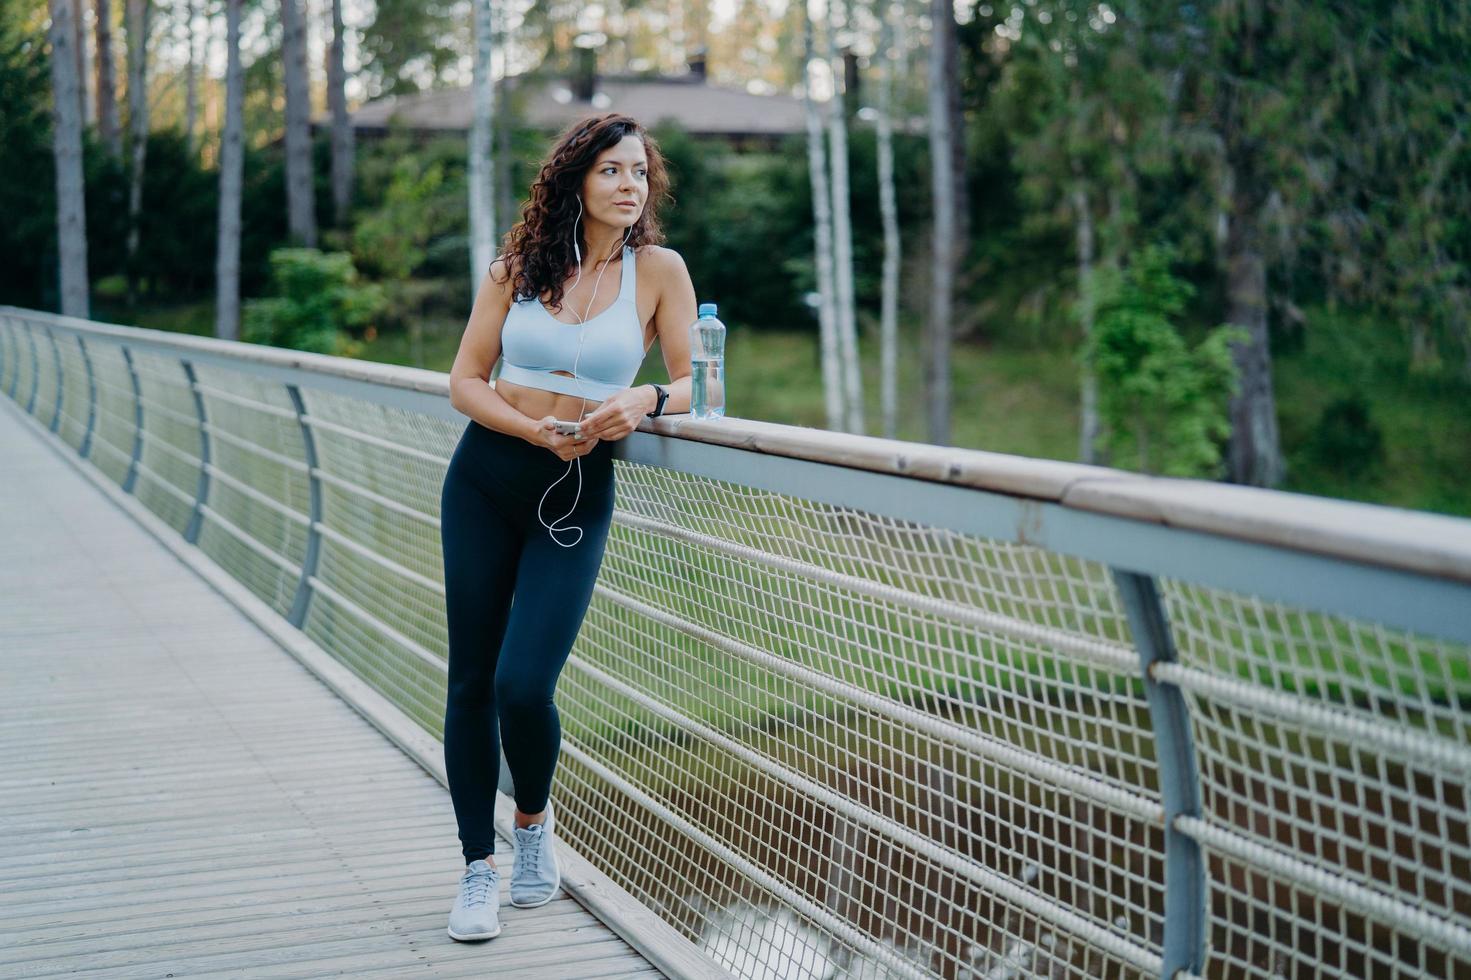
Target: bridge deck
{"points": [[179, 797]]}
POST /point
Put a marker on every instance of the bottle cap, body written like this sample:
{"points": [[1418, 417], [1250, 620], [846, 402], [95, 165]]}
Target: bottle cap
{"points": [[707, 309]]}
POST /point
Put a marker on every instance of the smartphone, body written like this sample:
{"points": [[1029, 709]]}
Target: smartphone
{"points": [[567, 428]]}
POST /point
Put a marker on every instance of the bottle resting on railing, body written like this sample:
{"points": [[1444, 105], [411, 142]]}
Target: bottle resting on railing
{"points": [[707, 357]]}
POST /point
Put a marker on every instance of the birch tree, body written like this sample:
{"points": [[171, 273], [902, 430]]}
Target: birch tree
{"points": [[66, 147], [1088, 427], [79, 29], [1083, 218], [342, 135], [138, 24], [232, 167], [481, 167], [191, 77], [301, 212], [942, 183], [107, 118], [505, 202], [847, 332], [889, 214], [832, 382]]}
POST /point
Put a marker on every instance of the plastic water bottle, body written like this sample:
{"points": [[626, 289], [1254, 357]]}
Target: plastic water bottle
{"points": [[707, 357]]}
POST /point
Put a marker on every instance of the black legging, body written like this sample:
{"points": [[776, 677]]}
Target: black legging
{"points": [[504, 657]]}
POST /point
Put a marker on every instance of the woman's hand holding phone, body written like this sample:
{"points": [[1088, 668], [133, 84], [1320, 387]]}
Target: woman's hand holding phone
{"points": [[567, 446]]}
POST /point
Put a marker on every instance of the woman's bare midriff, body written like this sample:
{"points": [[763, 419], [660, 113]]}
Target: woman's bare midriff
{"points": [[535, 403]]}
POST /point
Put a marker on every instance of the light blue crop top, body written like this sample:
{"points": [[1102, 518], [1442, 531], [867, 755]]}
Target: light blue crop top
{"points": [[534, 344]]}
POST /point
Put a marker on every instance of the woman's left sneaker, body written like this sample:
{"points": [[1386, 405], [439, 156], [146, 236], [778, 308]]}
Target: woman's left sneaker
{"points": [[535, 877]]}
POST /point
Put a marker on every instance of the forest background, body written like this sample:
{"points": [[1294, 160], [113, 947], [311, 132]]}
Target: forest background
{"points": [[1224, 239]]}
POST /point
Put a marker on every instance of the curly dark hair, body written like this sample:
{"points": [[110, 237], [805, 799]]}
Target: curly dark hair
{"points": [[538, 248]]}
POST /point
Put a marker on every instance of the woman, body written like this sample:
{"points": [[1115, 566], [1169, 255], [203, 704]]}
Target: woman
{"points": [[593, 209]]}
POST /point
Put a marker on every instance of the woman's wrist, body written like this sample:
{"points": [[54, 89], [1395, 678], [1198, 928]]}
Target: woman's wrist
{"points": [[529, 429]]}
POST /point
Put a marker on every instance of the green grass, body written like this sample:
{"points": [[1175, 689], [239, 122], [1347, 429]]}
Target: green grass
{"points": [[1004, 400], [192, 318], [1424, 417], [435, 348]]}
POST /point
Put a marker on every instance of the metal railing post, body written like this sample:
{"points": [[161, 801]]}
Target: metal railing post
{"points": [[297, 615], [132, 477], [8, 358], [201, 492], [85, 449], [60, 385], [1179, 777], [35, 372]]}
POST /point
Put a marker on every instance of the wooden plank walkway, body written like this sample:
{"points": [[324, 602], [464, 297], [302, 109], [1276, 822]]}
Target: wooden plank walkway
{"points": [[181, 798]]}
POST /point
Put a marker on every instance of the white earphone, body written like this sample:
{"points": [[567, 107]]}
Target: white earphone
{"points": [[552, 528]]}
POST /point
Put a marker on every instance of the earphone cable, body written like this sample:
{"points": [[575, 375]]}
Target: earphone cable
{"points": [[553, 528]]}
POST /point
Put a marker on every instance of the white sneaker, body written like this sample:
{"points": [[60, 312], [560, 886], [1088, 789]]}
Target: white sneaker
{"points": [[535, 877], [476, 914]]}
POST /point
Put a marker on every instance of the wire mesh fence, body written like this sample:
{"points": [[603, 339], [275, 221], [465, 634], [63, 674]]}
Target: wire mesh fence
{"points": [[955, 732]]}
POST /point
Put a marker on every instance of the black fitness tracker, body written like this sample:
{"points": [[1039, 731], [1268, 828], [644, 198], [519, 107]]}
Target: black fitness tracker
{"points": [[659, 408]]}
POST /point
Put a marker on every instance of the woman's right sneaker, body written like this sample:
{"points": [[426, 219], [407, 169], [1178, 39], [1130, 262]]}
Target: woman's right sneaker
{"points": [[476, 914]]}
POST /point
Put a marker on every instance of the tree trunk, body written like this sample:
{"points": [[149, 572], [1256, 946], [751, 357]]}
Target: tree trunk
{"points": [[942, 182], [1255, 454], [1424, 351], [957, 133], [232, 165], [832, 381], [107, 121], [505, 199], [889, 213], [137, 133], [847, 328], [1225, 195], [301, 212], [66, 148], [79, 30], [342, 135], [191, 80], [1083, 216], [481, 166]]}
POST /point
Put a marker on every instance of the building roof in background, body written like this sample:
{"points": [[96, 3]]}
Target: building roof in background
{"points": [[697, 107]]}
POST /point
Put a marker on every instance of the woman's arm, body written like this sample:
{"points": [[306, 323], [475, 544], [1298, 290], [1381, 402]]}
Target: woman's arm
{"points": [[676, 311], [620, 414], [480, 347]]}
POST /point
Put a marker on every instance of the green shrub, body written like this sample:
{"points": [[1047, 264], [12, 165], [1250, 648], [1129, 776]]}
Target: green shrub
{"points": [[318, 299], [1158, 400], [1346, 438], [421, 216]]}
